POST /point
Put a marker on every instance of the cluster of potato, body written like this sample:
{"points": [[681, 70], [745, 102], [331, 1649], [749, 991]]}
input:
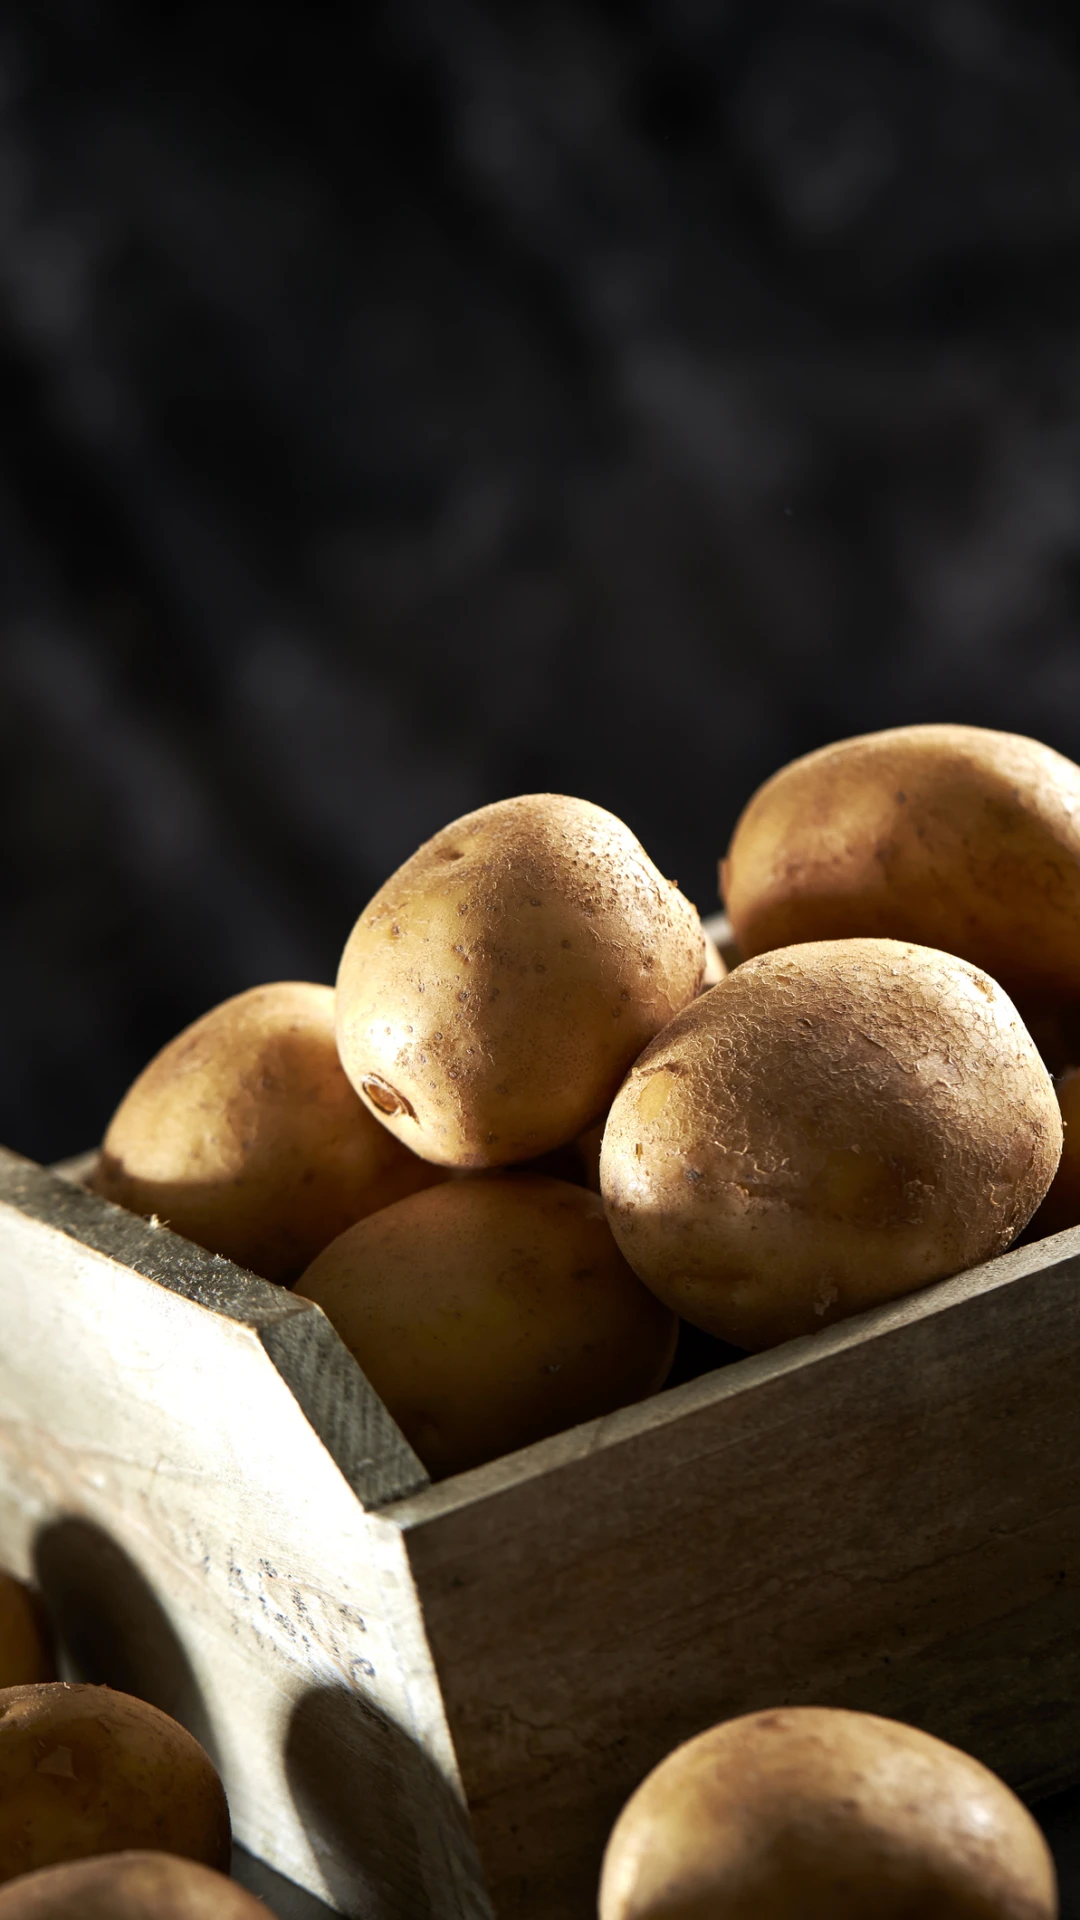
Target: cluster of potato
{"points": [[856, 1109], [109, 1810]]}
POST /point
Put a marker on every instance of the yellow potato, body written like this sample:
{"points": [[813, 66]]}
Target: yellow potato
{"points": [[25, 1649], [129, 1886], [813, 1813], [84, 1770], [948, 836], [496, 989], [491, 1311], [835, 1124], [244, 1135]]}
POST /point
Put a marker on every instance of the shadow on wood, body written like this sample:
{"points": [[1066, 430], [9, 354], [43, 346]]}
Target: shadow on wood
{"points": [[111, 1627]]}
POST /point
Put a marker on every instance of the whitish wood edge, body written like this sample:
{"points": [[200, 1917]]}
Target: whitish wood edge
{"points": [[351, 1421]]}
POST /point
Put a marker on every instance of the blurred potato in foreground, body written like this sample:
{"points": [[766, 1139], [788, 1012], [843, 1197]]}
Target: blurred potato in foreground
{"points": [[85, 1770], [129, 1886], [815, 1813]]}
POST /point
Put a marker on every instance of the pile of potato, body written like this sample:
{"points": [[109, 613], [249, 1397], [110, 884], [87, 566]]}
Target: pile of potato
{"points": [[109, 1810], [858, 1108]]}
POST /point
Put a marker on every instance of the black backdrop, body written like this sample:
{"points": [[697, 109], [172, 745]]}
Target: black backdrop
{"points": [[415, 402]]}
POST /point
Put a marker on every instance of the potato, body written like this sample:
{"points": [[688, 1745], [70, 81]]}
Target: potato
{"points": [[84, 1770], [834, 1124], [1061, 1208], [496, 989], [25, 1647], [490, 1311], [129, 1886], [951, 837], [813, 1813], [244, 1134]]}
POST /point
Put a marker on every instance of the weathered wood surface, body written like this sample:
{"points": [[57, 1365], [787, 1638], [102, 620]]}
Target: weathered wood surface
{"points": [[184, 1456], [885, 1516]]}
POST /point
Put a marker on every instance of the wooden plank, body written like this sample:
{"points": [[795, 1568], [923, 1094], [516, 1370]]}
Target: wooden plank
{"points": [[182, 1448], [886, 1515]]}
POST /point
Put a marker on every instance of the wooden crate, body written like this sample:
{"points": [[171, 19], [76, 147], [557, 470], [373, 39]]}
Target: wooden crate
{"points": [[432, 1700]]}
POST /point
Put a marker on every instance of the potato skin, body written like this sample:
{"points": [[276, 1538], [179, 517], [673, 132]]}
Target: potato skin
{"points": [[953, 837], [815, 1813], [129, 1886], [491, 1311], [493, 993], [244, 1135], [25, 1642], [834, 1124], [85, 1770]]}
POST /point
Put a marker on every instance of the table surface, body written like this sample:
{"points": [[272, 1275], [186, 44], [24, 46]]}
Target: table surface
{"points": [[1059, 1819]]}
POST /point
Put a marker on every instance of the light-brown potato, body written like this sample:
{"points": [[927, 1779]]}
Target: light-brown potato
{"points": [[491, 1311], [495, 990], [244, 1135], [949, 836], [813, 1813], [25, 1641], [1061, 1208], [835, 1124], [129, 1886], [85, 1770]]}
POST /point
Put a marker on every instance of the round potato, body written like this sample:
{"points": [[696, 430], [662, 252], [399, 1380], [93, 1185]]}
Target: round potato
{"points": [[491, 1311], [25, 1642], [833, 1125], [495, 990], [84, 1770], [129, 1886], [948, 836], [244, 1135], [813, 1813]]}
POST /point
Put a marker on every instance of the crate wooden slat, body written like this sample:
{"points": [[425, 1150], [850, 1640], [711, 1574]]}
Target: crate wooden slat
{"points": [[886, 1515]]}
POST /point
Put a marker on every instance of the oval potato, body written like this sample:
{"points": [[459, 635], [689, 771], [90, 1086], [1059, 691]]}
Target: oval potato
{"points": [[493, 993], [815, 1813], [953, 837], [834, 1124], [129, 1886], [85, 1770], [491, 1311], [25, 1642], [244, 1135]]}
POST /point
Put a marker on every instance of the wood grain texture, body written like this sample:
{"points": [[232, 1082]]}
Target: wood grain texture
{"points": [[884, 1516], [168, 1427]]}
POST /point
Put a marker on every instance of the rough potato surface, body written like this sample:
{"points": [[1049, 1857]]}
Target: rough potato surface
{"points": [[491, 1311], [495, 990], [85, 1770], [834, 1124], [814, 1813], [244, 1135], [129, 1886], [953, 837]]}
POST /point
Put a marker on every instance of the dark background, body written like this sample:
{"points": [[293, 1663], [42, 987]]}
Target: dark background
{"points": [[407, 404]]}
